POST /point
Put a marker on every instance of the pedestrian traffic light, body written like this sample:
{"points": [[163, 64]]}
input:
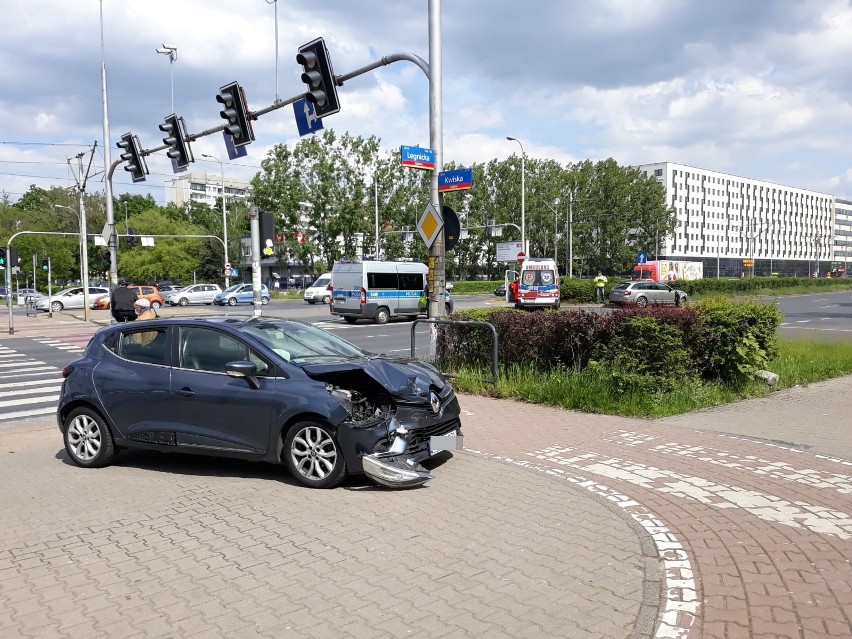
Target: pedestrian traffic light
{"points": [[132, 236], [106, 260], [180, 151], [136, 165], [319, 76], [236, 113], [2, 258], [45, 264]]}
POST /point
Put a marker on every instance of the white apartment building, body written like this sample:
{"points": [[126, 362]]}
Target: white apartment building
{"points": [[205, 188], [843, 232], [725, 220]]}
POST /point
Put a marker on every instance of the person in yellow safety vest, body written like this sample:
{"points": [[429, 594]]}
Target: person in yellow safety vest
{"points": [[600, 287]]}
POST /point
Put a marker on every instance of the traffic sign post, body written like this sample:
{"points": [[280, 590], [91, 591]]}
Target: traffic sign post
{"points": [[521, 257]]}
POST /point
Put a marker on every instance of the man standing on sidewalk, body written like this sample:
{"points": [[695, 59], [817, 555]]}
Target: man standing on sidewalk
{"points": [[600, 287]]}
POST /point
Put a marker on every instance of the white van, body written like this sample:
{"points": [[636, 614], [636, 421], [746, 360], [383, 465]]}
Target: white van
{"points": [[379, 290], [319, 291]]}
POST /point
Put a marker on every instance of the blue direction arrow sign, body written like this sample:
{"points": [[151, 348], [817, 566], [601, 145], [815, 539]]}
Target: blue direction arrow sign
{"points": [[306, 117], [455, 180], [641, 258], [416, 157]]}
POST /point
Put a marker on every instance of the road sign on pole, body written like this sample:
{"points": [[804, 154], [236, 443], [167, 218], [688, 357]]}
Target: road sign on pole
{"points": [[306, 117], [416, 157], [430, 225], [455, 180]]}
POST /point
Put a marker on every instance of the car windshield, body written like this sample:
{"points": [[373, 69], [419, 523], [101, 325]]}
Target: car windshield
{"points": [[300, 343], [233, 289], [323, 281]]}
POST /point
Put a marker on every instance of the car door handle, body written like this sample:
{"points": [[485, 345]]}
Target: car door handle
{"points": [[186, 392]]}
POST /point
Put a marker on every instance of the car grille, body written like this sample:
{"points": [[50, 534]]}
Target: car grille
{"points": [[420, 437]]}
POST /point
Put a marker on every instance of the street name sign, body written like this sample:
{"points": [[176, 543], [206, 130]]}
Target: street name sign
{"points": [[417, 158], [455, 180]]}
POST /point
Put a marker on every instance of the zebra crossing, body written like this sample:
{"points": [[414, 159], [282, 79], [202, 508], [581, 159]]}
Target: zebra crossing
{"points": [[29, 387]]}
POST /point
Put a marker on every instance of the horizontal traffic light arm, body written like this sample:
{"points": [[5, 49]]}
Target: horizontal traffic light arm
{"points": [[254, 115]]}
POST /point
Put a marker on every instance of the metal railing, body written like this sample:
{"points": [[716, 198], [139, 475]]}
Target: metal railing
{"points": [[494, 360]]}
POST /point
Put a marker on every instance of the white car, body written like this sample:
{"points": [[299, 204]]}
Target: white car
{"points": [[68, 298], [318, 291], [193, 294]]}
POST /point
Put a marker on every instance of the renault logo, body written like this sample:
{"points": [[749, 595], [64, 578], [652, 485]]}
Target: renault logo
{"points": [[435, 401]]}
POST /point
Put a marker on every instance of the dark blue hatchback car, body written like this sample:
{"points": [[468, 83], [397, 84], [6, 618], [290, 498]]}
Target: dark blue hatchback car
{"points": [[256, 388]]}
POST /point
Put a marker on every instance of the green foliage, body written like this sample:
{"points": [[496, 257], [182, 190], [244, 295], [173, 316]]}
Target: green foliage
{"points": [[578, 291], [739, 338]]}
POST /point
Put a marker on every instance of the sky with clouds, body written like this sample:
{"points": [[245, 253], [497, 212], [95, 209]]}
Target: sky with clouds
{"points": [[756, 88]]}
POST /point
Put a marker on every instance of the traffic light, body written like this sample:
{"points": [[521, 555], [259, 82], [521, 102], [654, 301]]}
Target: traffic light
{"points": [[180, 151], [236, 114], [133, 156], [106, 260], [132, 236], [267, 233], [319, 77], [2, 258], [45, 264]]}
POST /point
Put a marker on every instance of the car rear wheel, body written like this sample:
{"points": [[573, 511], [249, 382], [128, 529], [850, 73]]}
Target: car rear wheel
{"points": [[56, 306], [87, 439], [641, 302], [232, 301], [183, 301], [313, 456], [382, 315], [326, 299], [155, 304], [350, 320]]}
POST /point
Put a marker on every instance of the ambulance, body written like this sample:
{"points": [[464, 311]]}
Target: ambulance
{"points": [[537, 284]]}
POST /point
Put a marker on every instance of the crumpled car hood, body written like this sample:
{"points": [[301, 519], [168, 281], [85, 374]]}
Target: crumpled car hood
{"points": [[403, 378]]}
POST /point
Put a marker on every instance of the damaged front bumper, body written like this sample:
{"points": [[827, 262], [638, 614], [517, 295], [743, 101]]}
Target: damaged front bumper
{"points": [[399, 467]]}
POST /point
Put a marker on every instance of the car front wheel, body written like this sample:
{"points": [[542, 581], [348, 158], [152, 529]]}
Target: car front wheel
{"points": [[264, 300], [56, 306], [183, 301], [232, 301], [349, 319], [326, 299], [155, 305], [87, 439], [313, 456]]}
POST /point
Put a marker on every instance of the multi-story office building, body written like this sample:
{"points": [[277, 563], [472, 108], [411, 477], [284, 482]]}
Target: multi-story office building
{"points": [[843, 233], [205, 188], [738, 226]]}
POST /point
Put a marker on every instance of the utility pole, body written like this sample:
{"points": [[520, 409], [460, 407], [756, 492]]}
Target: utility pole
{"points": [[437, 253], [110, 212], [81, 180]]}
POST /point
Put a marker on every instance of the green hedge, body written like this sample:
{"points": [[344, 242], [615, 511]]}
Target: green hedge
{"points": [[713, 340]]}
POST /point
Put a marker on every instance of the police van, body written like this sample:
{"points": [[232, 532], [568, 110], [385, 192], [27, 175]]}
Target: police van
{"points": [[374, 290]]}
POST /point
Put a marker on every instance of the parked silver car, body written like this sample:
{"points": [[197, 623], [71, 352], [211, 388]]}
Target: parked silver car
{"points": [[644, 292], [68, 298], [193, 294]]}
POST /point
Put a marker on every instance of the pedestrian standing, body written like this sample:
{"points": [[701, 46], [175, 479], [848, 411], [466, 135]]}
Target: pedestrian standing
{"points": [[600, 287], [121, 303]]}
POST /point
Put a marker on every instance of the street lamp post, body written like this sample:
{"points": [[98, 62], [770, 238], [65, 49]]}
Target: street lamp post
{"points": [[570, 234], [84, 255], [523, 191], [171, 51], [224, 217]]}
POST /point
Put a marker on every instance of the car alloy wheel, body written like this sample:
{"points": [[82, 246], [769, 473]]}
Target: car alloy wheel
{"points": [[155, 304], [326, 299], [641, 302], [87, 439], [312, 455], [264, 300], [183, 301], [232, 301]]}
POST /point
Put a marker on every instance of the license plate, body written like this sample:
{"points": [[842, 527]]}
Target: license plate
{"points": [[450, 441]]}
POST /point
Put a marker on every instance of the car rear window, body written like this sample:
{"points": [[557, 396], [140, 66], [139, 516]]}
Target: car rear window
{"points": [[621, 287]]}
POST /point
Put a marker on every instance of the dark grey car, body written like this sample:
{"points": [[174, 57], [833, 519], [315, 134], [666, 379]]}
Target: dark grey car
{"points": [[645, 292], [259, 389]]}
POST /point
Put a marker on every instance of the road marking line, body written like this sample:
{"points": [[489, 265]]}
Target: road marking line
{"points": [[40, 400], [29, 361], [27, 413], [36, 382]]}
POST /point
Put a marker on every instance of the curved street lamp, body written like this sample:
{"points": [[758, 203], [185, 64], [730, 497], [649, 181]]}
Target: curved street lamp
{"points": [[523, 189]]}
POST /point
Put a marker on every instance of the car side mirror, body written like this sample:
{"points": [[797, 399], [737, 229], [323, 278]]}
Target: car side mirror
{"points": [[247, 370]]}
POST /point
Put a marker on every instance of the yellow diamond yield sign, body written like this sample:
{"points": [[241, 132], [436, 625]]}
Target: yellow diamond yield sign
{"points": [[430, 225]]}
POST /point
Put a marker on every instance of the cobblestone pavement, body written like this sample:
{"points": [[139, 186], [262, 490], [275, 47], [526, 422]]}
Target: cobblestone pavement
{"points": [[726, 523]]}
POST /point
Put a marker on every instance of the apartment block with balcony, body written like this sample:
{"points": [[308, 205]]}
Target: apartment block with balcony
{"points": [[843, 233], [204, 188], [738, 226]]}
